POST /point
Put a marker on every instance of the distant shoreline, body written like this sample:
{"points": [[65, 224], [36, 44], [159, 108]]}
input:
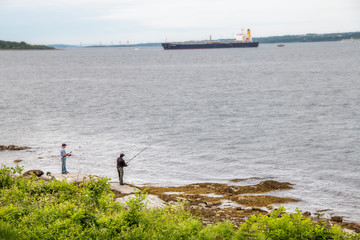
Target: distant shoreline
{"points": [[310, 37], [8, 45]]}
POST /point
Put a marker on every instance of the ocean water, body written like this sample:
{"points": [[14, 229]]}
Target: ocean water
{"points": [[287, 114]]}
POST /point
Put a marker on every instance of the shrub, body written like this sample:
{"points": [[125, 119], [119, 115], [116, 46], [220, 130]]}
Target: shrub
{"points": [[282, 225], [7, 176], [96, 188], [35, 209], [136, 205], [6, 232]]}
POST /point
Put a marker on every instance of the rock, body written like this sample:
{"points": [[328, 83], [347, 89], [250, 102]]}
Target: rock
{"points": [[124, 189], [255, 209], [306, 214], [33, 172], [151, 201], [72, 177], [17, 160], [353, 227], [45, 177], [12, 147], [203, 205], [210, 204], [323, 210], [242, 179], [270, 185], [336, 219]]}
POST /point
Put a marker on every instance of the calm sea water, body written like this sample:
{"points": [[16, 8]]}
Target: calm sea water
{"points": [[286, 114]]}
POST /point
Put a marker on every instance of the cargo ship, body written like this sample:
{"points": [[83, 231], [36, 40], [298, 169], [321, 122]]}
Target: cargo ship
{"points": [[241, 41]]}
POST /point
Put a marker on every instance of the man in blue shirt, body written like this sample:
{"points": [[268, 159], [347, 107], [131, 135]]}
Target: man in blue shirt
{"points": [[63, 155]]}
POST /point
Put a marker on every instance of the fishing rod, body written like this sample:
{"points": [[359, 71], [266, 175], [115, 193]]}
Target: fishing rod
{"points": [[139, 153], [70, 153]]}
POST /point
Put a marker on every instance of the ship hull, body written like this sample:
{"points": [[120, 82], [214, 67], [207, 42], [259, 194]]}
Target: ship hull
{"points": [[179, 46]]}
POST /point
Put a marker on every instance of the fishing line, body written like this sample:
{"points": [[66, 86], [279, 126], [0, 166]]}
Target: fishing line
{"points": [[139, 153]]}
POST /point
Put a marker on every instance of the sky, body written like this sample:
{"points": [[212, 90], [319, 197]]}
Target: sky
{"points": [[107, 22]]}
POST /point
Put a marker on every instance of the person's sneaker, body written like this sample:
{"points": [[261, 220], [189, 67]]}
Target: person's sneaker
{"points": [[122, 184]]}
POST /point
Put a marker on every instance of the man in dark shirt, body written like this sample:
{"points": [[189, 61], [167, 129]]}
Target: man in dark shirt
{"points": [[120, 164]]}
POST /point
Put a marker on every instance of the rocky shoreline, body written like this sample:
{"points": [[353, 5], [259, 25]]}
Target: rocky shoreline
{"points": [[215, 202], [212, 202]]}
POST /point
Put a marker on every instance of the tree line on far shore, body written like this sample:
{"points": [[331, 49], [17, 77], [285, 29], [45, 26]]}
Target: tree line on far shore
{"points": [[311, 37], [21, 45]]}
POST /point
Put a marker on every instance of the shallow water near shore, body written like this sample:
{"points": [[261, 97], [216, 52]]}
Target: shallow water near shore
{"points": [[287, 114]]}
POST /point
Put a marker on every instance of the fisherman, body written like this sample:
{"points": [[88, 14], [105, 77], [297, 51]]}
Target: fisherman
{"points": [[120, 164], [63, 155]]}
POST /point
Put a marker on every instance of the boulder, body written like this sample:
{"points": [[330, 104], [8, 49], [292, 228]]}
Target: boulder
{"points": [[151, 201], [336, 219], [124, 189], [12, 147], [202, 205], [38, 173], [307, 214], [72, 177]]}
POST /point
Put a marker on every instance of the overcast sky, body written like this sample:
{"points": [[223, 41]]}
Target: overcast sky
{"points": [[141, 21]]}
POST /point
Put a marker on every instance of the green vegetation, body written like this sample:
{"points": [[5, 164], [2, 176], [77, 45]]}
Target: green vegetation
{"points": [[309, 37], [31, 208], [21, 45]]}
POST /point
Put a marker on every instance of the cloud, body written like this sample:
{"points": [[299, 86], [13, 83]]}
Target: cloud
{"points": [[195, 19], [186, 14], [190, 14], [55, 4]]}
